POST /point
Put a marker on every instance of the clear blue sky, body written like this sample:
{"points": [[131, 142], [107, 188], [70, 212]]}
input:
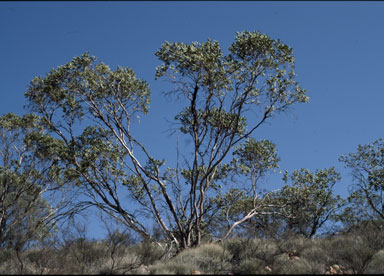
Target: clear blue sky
{"points": [[339, 50]]}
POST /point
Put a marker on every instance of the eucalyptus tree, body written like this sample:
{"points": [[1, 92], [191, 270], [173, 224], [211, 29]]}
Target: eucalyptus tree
{"points": [[252, 161], [309, 201], [223, 99], [30, 206], [226, 98], [366, 199]]}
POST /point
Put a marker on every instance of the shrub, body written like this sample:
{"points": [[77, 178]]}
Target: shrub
{"points": [[9, 263], [316, 257], [42, 259], [294, 245], [240, 249], [120, 264], [376, 266], [173, 268], [285, 265], [210, 258], [5, 255], [149, 252], [245, 249], [251, 266], [81, 256], [350, 252], [18, 264], [207, 258]]}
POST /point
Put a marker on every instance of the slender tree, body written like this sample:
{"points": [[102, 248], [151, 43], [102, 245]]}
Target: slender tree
{"points": [[227, 98], [366, 200], [30, 203], [90, 109], [252, 161]]}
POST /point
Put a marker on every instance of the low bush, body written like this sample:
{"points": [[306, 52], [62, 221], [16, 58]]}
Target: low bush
{"points": [[149, 252], [294, 245], [350, 252], [285, 265], [208, 258], [247, 249], [346, 253], [376, 266], [251, 266], [173, 268], [316, 257]]}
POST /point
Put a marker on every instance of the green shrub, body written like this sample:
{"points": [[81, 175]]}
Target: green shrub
{"points": [[42, 259], [294, 244], [285, 265], [9, 264], [18, 265], [350, 252], [376, 266], [240, 249], [207, 258], [246, 249], [210, 258], [251, 266], [120, 264], [267, 250], [173, 268], [81, 257], [5, 255], [316, 257], [149, 252]]}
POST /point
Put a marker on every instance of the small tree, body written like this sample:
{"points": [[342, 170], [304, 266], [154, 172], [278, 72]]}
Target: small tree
{"points": [[23, 211], [309, 201], [252, 161], [366, 200], [30, 206], [226, 97]]}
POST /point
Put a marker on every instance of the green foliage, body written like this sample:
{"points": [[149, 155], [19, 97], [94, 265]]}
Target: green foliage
{"points": [[251, 266], [149, 252], [253, 56], [366, 197], [89, 109], [294, 244], [172, 268], [376, 266], [216, 119], [207, 258], [316, 257], [25, 176], [351, 252], [284, 265], [309, 202], [251, 249], [292, 255], [256, 157], [83, 88], [252, 160], [69, 87]]}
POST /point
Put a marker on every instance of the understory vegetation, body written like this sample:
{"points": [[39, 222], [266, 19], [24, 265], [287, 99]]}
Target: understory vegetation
{"points": [[356, 251]]}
